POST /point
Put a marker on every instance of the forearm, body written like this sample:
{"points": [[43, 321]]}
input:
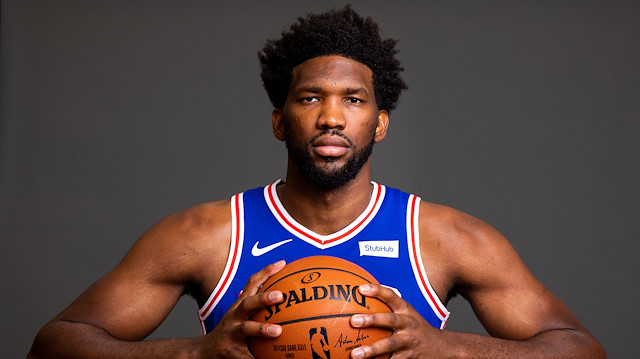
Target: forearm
{"points": [[63, 339], [561, 343]]}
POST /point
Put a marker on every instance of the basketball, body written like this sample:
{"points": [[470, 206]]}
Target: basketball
{"points": [[320, 294]]}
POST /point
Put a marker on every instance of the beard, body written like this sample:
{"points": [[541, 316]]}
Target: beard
{"points": [[328, 175]]}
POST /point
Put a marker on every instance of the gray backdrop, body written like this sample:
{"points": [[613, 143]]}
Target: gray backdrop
{"points": [[117, 113]]}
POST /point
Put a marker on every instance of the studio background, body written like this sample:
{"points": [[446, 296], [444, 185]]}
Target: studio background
{"points": [[115, 114]]}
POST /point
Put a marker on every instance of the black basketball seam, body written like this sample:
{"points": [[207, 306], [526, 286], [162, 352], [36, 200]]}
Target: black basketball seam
{"points": [[308, 269], [316, 317]]}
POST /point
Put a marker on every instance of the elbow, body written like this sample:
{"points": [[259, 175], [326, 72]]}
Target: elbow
{"points": [[41, 344], [50, 342], [598, 349], [572, 343], [591, 347]]}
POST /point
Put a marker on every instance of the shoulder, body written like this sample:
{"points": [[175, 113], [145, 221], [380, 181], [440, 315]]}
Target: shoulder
{"points": [[469, 248], [451, 227], [193, 222], [190, 225], [183, 243]]}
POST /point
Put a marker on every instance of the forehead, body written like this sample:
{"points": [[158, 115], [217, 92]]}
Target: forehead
{"points": [[332, 71]]}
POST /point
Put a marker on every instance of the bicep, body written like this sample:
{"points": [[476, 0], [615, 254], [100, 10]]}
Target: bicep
{"points": [[505, 296], [129, 302], [127, 308], [137, 295], [511, 303]]}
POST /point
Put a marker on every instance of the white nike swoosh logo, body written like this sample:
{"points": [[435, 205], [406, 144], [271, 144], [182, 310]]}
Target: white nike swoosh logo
{"points": [[260, 251]]}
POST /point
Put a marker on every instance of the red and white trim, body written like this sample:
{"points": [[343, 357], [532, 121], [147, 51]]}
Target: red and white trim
{"points": [[315, 239], [413, 238], [235, 250]]}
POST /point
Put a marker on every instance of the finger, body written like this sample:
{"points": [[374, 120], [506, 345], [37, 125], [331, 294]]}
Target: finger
{"points": [[257, 280], [387, 345], [257, 329], [251, 304], [391, 321], [387, 295]]}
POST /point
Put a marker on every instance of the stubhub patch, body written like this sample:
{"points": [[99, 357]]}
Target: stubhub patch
{"points": [[387, 249]]}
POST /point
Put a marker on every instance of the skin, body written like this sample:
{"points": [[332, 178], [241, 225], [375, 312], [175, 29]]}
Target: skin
{"points": [[186, 253]]}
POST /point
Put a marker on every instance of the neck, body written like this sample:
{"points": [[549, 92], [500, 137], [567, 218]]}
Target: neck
{"points": [[325, 211]]}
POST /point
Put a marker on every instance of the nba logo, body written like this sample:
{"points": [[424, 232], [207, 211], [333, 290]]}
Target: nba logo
{"points": [[319, 343]]}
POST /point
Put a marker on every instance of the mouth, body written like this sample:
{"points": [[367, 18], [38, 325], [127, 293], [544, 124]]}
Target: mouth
{"points": [[331, 145]]}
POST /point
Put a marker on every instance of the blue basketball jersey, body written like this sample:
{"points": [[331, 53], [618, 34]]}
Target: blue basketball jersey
{"points": [[383, 240]]}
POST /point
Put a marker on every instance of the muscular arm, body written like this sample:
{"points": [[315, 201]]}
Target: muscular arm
{"points": [[185, 252], [524, 319], [135, 297]]}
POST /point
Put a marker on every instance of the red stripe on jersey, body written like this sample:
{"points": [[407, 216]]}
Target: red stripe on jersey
{"points": [[417, 259], [301, 232], [234, 257]]}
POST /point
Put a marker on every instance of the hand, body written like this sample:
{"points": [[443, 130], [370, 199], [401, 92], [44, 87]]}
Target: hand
{"points": [[412, 337], [229, 338]]}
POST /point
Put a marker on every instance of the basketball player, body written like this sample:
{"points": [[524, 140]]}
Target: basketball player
{"points": [[332, 81]]}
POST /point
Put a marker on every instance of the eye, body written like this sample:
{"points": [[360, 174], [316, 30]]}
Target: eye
{"points": [[309, 99], [354, 100]]}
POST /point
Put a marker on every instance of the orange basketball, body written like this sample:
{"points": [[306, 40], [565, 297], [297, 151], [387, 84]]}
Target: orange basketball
{"points": [[320, 296]]}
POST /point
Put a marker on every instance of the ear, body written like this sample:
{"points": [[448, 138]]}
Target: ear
{"points": [[277, 124], [383, 125]]}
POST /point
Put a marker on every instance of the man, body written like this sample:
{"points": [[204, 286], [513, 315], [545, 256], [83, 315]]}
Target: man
{"points": [[332, 81]]}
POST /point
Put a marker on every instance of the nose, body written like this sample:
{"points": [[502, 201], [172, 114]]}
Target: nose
{"points": [[331, 115]]}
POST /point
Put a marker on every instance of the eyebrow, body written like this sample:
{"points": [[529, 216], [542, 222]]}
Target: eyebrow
{"points": [[356, 90], [345, 91]]}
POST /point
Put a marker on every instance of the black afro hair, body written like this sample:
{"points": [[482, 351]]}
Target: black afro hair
{"points": [[336, 32]]}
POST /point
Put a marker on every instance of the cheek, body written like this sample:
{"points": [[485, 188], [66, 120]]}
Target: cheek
{"points": [[368, 128], [299, 125], [293, 132]]}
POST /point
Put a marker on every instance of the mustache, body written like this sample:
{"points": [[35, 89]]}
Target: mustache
{"points": [[332, 132]]}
